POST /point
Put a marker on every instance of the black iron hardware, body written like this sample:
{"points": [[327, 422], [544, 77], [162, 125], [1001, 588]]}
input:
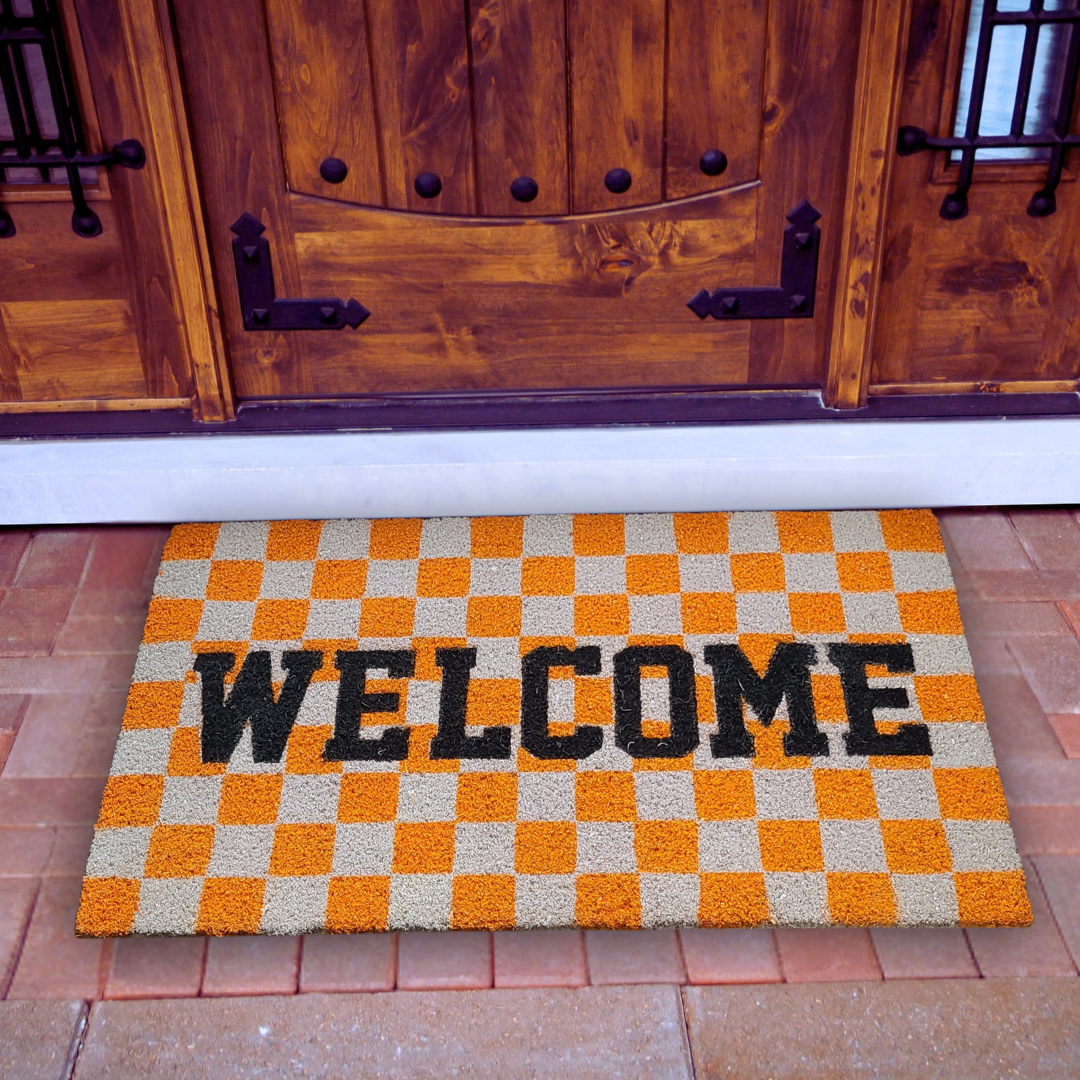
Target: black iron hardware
{"points": [[794, 299], [617, 181], [333, 170], [43, 112], [713, 162], [427, 185], [911, 140], [255, 281], [524, 189]]}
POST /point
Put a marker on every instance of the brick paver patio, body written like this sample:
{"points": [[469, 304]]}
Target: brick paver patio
{"points": [[72, 604]]}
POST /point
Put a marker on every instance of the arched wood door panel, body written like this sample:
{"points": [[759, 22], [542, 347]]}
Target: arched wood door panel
{"points": [[482, 92]]}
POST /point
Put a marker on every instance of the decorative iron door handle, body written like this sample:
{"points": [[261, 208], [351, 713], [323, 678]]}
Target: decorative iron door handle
{"points": [[262, 310], [794, 299]]}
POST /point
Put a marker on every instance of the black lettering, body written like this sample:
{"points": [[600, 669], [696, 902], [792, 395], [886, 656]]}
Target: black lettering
{"points": [[535, 672], [354, 701], [251, 701], [682, 699], [788, 675], [450, 740], [863, 737]]}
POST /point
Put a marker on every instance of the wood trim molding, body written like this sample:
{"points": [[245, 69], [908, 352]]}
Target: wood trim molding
{"points": [[148, 44], [879, 84], [80, 405]]}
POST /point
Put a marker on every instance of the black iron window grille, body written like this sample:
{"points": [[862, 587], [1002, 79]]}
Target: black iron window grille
{"points": [[41, 133], [1018, 88]]}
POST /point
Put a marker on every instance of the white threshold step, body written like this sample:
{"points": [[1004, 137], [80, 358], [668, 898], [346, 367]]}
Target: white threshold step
{"points": [[777, 466]]}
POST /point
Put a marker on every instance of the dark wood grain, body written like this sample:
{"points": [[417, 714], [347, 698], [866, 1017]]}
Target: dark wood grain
{"points": [[10, 390], [325, 97], [715, 64], [519, 87], [616, 100], [420, 58]]}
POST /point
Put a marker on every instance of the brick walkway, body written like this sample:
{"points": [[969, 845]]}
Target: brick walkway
{"points": [[72, 603]]}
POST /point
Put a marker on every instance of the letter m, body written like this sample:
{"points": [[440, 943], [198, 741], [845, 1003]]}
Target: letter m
{"points": [[251, 701], [788, 676]]}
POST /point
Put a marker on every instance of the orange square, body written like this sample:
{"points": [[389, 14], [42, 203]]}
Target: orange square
{"points": [[179, 851], [910, 530], [231, 906], [172, 620], [847, 794], [992, 898], [864, 571], [816, 613], [733, 900], [194, 540], [608, 902], [130, 800], [185, 755], [769, 750], [652, 575], [358, 904], [420, 759], [304, 750], [443, 577], [527, 763], [759, 648], [329, 649], [973, 794], [593, 700], [250, 799], [368, 797], [425, 648], [293, 541], [339, 579], [487, 797], [547, 575], [425, 847], [701, 534], [916, 847], [301, 850], [758, 572], [930, 612], [492, 702], [861, 899], [599, 534], [804, 532], [666, 847], [723, 794], [793, 846], [949, 697], [107, 907], [395, 538], [605, 796], [545, 847], [493, 616], [153, 705], [829, 702], [708, 613], [497, 537], [280, 620], [234, 579], [387, 616], [599, 616], [482, 902]]}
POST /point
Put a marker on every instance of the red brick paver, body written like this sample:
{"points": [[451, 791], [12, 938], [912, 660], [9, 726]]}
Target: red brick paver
{"points": [[730, 956], [634, 956], [1060, 878], [923, 953], [540, 958], [251, 965], [444, 961], [156, 967], [339, 963], [838, 955]]}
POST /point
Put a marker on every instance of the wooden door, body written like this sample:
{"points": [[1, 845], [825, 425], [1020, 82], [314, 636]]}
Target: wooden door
{"points": [[515, 190], [104, 305]]}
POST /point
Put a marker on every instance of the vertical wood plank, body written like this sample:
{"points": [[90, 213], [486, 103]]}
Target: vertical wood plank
{"points": [[325, 96], [519, 83], [10, 390], [616, 101], [716, 60], [237, 145], [878, 89], [420, 58], [811, 60]]}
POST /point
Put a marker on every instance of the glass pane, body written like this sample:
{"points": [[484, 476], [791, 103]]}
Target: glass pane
{"points": [[1059, 5], [1014, 5], [24, 8], [39, 89], [1048, 78], [6, 131]]}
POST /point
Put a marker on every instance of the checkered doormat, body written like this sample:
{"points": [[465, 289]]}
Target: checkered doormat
{"points": [[554, 721]]}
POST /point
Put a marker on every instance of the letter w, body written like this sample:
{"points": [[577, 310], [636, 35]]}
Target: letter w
{"points": [[252, 701]]}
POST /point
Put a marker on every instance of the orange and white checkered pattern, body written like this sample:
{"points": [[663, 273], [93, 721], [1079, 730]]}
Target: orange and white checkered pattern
{"points": [[304, 845]]}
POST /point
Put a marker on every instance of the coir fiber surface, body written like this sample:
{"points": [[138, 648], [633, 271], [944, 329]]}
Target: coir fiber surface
{"points": [[589, 720]]}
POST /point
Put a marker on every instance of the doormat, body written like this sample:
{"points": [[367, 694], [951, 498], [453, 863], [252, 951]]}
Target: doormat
{"points": [[643, 720]]}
